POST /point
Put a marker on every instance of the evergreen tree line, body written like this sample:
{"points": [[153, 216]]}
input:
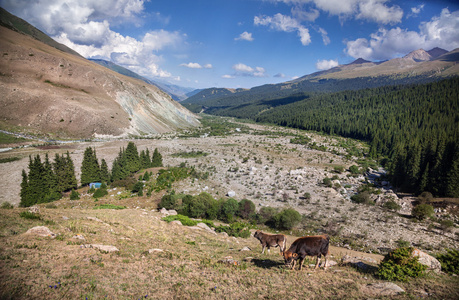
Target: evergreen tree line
{"points": [[46, 181], [416, 127]]}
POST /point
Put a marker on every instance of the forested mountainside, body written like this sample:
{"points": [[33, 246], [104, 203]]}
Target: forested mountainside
{"points": [[416, 127]]}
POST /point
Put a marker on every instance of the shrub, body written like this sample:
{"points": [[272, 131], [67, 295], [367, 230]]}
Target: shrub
{"points": [[74, 195], [287, 219], [200, 206], [363, 197], [307, 196], [236, 229], [422, 211], [338, 169], [400, 265], [355, 170], [29, 215], [229, 209], [7, 205], [327, 182], [99, 193], [449, 261], [425, 197], [446, 225], [183, 219], [168, 202], [392, 205], [137, 187], [246, 209], [109, 206], [266, 215], [127, 183]]}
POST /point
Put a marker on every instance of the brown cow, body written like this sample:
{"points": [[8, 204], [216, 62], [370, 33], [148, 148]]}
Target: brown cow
{"points": [[271, 240], [316, 245]]}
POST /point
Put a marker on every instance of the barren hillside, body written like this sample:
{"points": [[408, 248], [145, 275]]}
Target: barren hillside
{"points": [[49, 92]]}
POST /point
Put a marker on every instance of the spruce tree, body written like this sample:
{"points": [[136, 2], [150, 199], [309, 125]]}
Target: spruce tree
{"points": [[132, 158], [70, 178], [25, 197], [157, 159], [90, 171], [104, 173]]}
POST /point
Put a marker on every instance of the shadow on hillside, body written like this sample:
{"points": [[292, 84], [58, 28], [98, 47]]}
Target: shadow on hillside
{"points": [[267, 263]]}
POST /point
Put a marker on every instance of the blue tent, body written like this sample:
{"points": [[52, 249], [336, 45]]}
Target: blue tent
{"points": [[95, 185]]}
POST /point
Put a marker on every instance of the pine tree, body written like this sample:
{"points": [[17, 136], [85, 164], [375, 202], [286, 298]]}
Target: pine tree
{"points": [[119, 168], [70, 178], [104, 173], [132, 158], [25, 197], [37, 186], [90, 171], [145, 159], [157, 159]]}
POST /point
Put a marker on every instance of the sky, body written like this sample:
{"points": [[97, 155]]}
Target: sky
{"points": [[241, 43]]}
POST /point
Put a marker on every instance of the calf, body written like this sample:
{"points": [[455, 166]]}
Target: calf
{"points": [[316, 245], [271, 240]]}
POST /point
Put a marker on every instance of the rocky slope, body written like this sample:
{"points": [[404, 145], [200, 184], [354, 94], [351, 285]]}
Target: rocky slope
{"points": [[50, 92]]}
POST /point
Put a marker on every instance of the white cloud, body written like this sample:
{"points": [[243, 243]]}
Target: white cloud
{"points": [[372, 10], [324, 34], [441, 31], [326, 64], [279, 75], [416, 10], [85, 26], [244, 70], [284, 23], [193, 65], [208, 66], [226, 76], [245, 36]]}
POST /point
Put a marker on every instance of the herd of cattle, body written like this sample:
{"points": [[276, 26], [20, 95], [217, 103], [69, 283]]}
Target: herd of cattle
{"points": [[316, 245]]}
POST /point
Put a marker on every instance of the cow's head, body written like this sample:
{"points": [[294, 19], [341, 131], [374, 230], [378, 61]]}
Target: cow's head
{"points": [[255, 235], [289, 257]]}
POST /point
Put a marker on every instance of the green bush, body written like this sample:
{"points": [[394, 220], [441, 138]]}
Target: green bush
{"points": [[186, 221], [229, 209], [449, 261], [7, 205], [363, 197], [307, 196], [338, 169], [287, 219], [137, 187], [200, 206], [236, 229], [246, 209], [168, 202], [446, 224], [355, 170], [127, 183], [266, 215], [392, 205], [109, 206], [74, 195], [327, 182], [99, 193], [400, 265], [29, 215], [422, 211]]}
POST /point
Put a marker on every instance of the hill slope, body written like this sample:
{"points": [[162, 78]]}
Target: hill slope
{"points": [[69, 96]]}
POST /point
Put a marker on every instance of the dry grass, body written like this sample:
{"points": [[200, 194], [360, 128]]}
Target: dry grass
{"points": [[61, 268]]}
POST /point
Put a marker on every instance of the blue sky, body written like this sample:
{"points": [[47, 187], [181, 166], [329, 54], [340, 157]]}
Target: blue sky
{"points": [[241, 43]]}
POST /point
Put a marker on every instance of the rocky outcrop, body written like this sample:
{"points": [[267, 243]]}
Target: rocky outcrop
{"points": [[41, 231], [431, 262]]}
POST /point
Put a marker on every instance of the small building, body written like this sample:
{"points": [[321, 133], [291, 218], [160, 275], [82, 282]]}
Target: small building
{"points": [[95, 185]]}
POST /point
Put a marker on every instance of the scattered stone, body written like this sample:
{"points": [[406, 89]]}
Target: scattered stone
{"points": [[229, 261], [101, 248], [231, 194], [382, 289], [246, 249], [223, 234], [155, 250], [95, 219], [176, 222], [431, 262], [34, 209], [65, 218], [41, 231], [171, 212]]}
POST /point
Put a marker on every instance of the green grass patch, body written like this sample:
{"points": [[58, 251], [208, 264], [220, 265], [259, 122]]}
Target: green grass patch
{"points": [[10, 139], [109, 206]]}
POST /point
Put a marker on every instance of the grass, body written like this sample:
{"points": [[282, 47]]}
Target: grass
{"points": [[10, 139], [188, 267]]}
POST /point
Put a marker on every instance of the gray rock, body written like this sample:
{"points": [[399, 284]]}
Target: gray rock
{"points": [[41, 231], [431, 262], [34, 209], [246, 249], [171, 212], [231, 194], [78, 237], [228, 260], [102, 248], [156, 250], [382, 289], [176, 222]]}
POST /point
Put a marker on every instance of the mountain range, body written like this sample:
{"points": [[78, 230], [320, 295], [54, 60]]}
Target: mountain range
{"points": [[49, 89], [419, 66]]}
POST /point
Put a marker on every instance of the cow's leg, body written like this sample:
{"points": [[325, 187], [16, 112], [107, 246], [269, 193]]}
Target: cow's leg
{"points": [[317, 262], [263, 251], [301, 263], [326, 260], [268, 249], [293, 264]]}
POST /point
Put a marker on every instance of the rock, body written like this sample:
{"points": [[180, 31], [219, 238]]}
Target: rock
{"points": [[358, 262], [102, 248], [431, 262], [176, 222], [382, 289], [229, 261], [171, 212], [223, 234], [95, 219], [65, 218], [163, 211], [246, 249], [41, 231], [34, 209], [155, 250], [205, 227], [231, 194]]}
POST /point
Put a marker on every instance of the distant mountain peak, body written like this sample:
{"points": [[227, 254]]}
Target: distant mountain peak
{"points": [[436, 52], [359, 61], [419, 55]]}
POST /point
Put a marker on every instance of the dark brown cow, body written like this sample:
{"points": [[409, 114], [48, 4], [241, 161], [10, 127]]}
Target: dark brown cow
{"points": [[316, 245], [271, 240]]}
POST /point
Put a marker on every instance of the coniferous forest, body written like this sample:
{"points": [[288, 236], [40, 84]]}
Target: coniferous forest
{"points": [[414, 127], [45, 182]]}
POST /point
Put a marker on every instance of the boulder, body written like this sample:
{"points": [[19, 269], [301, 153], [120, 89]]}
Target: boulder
{"points": [[228, 260], [382, 289], [102, 248], [231, 194], [171, 212], [156, 250], [431, 262], [41, 231], [246, 249], [34, 209], [176, 222]]}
